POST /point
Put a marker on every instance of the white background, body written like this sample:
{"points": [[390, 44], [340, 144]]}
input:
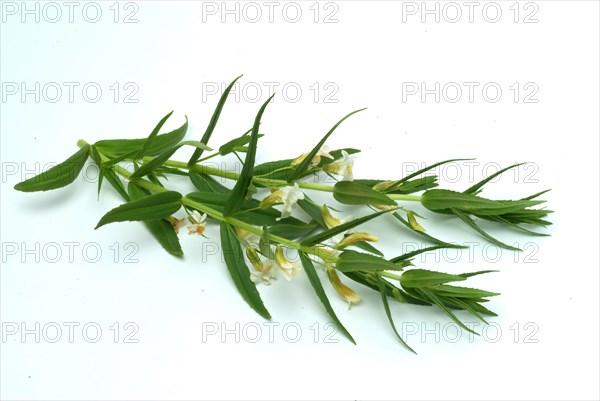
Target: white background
{"points": [[543, 345]]}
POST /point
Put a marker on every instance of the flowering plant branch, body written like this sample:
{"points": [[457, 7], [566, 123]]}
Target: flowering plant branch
{"points": [[257, 228]]}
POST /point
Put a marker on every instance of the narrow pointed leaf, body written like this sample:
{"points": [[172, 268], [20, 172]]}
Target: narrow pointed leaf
{"points": [[313, 277], [58, 176], [419, 278], [213, 122], [160, 229], [423, 170], [153, 135], [465, 218], [386, 306], [350, 261], [322, 236], [305, 164], [238, 193], [238, 269], [475, 189], [163, 157], [425, 235], [156, 206], [351, 193]]}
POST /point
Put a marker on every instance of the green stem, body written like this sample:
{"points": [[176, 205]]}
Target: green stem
{"points": [[215, 214], [390, 275], [204, 169]]}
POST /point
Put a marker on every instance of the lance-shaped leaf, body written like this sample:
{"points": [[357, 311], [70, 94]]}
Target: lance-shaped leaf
{"points": [[351, 261], [313, 277], [121, 149], [312, 210], [213, 122], [115, 181], [58, 176], [234, 259], [149, 141], [419, 172], [351, 193], [420, 278], [206, 183], [325, 235], [441, 200], [236, 143], [475, 189], [425, 235], [434, 299], [462, 292], [238, 193], [386, 306], [305, 164], [468, 221], [159, 160], [156, 206], [160, 229]]}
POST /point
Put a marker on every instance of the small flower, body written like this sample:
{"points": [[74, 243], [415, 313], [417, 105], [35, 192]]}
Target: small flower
{"points": [[288, 269], [345, 292], [324, 151], [357, 237], [176, 223], [198, 223], [264, 269], [342, 167], [288, 195]]}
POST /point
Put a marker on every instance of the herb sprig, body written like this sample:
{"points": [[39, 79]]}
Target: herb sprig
{"points": [[256, 228]]}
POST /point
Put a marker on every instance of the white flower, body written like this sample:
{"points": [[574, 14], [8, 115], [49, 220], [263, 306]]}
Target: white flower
{"points": [[324, 151], [342, 167], [265, 275], [248, 238], [288, 195], [345, 168], [198, 223], [288, 269]]}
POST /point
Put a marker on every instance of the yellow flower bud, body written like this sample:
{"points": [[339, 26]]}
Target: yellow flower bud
{"points": [[357, 237], [412, 220], [345, 292], [272, 199], [329, 220], [382, 186], [254, 259], [299, 159]]}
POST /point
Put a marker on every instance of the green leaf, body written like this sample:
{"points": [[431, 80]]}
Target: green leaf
{"points": [[153, 135], [461, 292], [350, 261], [325, 235], [234, 259], [206, 183], [465, 218], [241, 187], [410, 255], [159, 160], [427, 294], [160, 229], [351, 193], [213, 122], [386, 305], [129, 148], [420, 278], [360, 277], [312, 210], [425, 235], [442, 200], [313, 277], [156, 206], [264, 244], [305, 164], [475, 189], [58, 176], [365, 246], [236, 144], [419, 172], [116, 182]]}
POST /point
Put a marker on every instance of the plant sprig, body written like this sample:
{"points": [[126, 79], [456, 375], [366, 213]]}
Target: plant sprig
{"points": [[255, 228]]}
